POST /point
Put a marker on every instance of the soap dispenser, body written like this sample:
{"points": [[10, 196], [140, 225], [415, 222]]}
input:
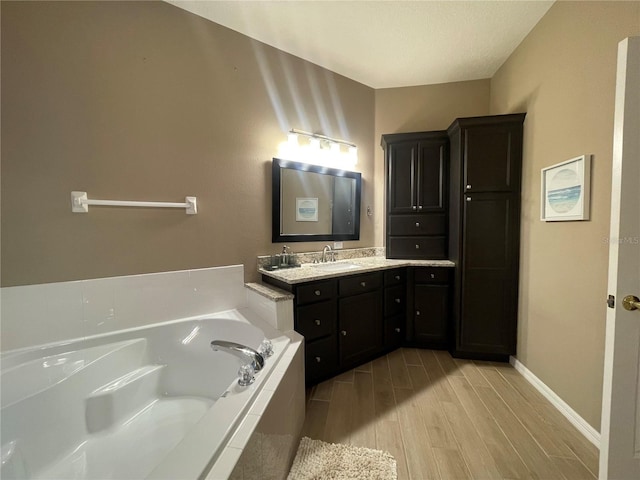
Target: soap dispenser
{"points": [[284, 257]]}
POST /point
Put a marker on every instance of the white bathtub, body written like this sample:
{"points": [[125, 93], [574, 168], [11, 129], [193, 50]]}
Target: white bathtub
{"points": [[151, 402]]}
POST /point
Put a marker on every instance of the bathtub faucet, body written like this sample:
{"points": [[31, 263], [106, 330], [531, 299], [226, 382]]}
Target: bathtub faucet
{"points": [[241, 351]]}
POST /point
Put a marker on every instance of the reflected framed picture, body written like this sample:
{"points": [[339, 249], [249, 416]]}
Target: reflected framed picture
{"points": [[566, 190], [306, 209]]}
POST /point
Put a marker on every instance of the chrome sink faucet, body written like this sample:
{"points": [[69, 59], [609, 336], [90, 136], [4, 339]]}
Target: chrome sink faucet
{"points": [[325, 250], [241, 351]]}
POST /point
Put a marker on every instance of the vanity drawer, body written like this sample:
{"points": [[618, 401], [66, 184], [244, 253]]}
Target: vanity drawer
{"points": [[316, 292], [394, 331], [316, 320], [433, 248], [394, 300], [432, 275], [321, 359], [417, 225], [360, 284], [395, 277]]}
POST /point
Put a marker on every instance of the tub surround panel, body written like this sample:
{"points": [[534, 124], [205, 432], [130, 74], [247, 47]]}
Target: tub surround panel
{"points": [[47, 313], [272, 304]]}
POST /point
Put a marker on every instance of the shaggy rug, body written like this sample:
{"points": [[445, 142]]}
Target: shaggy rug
{"points": [[317, 460]]}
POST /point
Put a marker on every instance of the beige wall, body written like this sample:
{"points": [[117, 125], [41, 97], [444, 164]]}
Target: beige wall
{"points": [[417, 109], [563, 75], [144, 101]]}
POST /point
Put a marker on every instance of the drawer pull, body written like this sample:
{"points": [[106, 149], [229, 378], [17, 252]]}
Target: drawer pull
{"points": [[318, 359], [318, 293], [433, 275], [344, 333], [363, 284], [468, 199], [417, 247], [469, 187], [417, 313], [397, 277], [417, 224], [318, 322], [397, 330], [398, 300]]}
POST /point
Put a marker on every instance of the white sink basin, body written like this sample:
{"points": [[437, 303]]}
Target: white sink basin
{"points": [[336, 266]]}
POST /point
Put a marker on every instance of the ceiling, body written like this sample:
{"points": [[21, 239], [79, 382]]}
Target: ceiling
{"points": [[385, 44]]}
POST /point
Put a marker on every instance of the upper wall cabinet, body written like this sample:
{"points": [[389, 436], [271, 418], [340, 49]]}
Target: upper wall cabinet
{"points": [[492, 153], [416, 191]]}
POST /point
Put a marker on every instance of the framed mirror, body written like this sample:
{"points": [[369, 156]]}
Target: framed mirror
{"points": [[314, 203]]}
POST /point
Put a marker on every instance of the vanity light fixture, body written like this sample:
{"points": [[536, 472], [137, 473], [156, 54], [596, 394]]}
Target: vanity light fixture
{"points": [[319, 150]]}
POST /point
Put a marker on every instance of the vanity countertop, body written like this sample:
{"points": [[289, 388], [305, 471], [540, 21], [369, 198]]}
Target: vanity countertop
{"points": [[318, 271]]}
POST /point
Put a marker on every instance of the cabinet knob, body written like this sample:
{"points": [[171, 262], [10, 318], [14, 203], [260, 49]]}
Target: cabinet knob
{"points": [[468, 186], [397, 277], [363, 284], [317, 292], [420, 207], [398, 300], [433, 275], [318, 322], [318, 359], [417, 247], [417, 313], [414, 207], [418, 224], [397, 330], [344, 333], [468, 199]]}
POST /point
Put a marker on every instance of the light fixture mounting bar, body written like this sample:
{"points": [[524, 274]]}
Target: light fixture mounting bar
{"points": [[322, 137]]}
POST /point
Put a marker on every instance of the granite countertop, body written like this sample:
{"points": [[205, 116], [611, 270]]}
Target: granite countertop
{"points": [[310, 272]]}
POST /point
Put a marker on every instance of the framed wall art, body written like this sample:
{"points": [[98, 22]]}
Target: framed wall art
{"points": [[306, 209], [565, 190]]}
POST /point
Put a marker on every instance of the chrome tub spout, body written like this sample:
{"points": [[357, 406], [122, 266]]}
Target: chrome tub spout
{"points": [[241, 351]]}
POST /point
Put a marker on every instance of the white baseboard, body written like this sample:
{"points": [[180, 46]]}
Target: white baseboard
{"points": [[576, 420]]}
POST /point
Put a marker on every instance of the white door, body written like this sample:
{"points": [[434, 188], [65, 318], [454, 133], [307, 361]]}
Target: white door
{"points": [[620, 432]]}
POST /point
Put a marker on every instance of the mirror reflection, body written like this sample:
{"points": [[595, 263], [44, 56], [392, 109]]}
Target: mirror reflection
{"points": [[314, 203]]}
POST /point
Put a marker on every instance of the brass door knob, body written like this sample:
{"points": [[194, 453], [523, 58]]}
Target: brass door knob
{"points": [[631, 302]]}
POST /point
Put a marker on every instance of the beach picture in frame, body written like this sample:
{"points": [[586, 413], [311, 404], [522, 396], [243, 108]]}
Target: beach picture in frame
{"points": [[306, 209], [565, 190]]}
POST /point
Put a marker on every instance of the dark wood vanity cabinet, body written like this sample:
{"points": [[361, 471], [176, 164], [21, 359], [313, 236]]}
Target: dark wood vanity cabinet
{"points": [[416, 194], [395, 307], [341, 320], [430, 318], [360, 324], [484, 236]]}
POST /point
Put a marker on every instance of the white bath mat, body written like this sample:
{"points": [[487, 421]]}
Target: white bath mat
{"points": [[317, 460]]}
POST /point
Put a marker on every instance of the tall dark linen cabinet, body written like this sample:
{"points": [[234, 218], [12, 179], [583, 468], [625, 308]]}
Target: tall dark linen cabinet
{"points": [[456, 195], [484, 233]]}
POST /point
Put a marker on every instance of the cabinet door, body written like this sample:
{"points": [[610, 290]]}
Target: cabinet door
{"points": [[431, 315], [360, 327], [431, 186], [402, 166], [488, 314], [492, 156]]}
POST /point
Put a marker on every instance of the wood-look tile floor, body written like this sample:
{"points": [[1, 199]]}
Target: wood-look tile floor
{"points": [[445, 418]]}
